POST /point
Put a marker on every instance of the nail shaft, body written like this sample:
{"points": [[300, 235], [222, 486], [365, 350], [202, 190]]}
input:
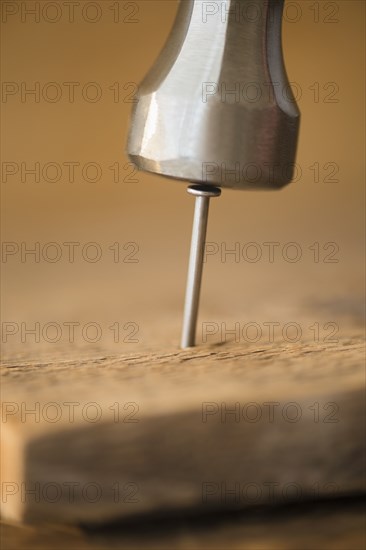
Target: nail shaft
{"points": [[203, 195]]}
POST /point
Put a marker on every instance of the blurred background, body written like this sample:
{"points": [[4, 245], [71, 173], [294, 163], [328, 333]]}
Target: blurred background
{"points": [[122, 272]]}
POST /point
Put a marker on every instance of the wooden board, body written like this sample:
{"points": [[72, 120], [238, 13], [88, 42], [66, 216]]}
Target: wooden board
{"points": [[210, 428]]}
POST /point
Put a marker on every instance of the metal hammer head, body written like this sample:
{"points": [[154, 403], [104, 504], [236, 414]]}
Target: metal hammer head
{"points": [[217, 106]]}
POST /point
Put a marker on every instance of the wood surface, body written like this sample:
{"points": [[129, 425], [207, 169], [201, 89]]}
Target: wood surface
{"points": [[170, 455]]}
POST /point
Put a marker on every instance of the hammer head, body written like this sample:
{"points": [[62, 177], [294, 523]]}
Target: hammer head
{"points": [[217, 107]]}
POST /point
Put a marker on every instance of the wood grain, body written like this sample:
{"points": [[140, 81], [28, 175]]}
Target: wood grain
{"points": [[170, 458]]}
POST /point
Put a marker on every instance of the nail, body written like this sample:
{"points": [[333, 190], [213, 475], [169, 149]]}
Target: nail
{"points": [[203, 193]]}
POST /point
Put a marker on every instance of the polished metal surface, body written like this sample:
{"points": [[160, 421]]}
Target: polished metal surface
{"points": [[203, 195], [217, 107]]}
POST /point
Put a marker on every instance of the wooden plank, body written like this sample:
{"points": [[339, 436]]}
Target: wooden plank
{"points": [[184, 451]]}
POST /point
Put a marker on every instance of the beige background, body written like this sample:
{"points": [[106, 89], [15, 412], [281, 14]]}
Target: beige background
{"points": [[157, 213]]}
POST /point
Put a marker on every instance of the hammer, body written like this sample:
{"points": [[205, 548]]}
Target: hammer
{"points": [[217, 110]]}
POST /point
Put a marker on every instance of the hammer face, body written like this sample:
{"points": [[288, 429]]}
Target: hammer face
{"points": [[217, 107]]}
